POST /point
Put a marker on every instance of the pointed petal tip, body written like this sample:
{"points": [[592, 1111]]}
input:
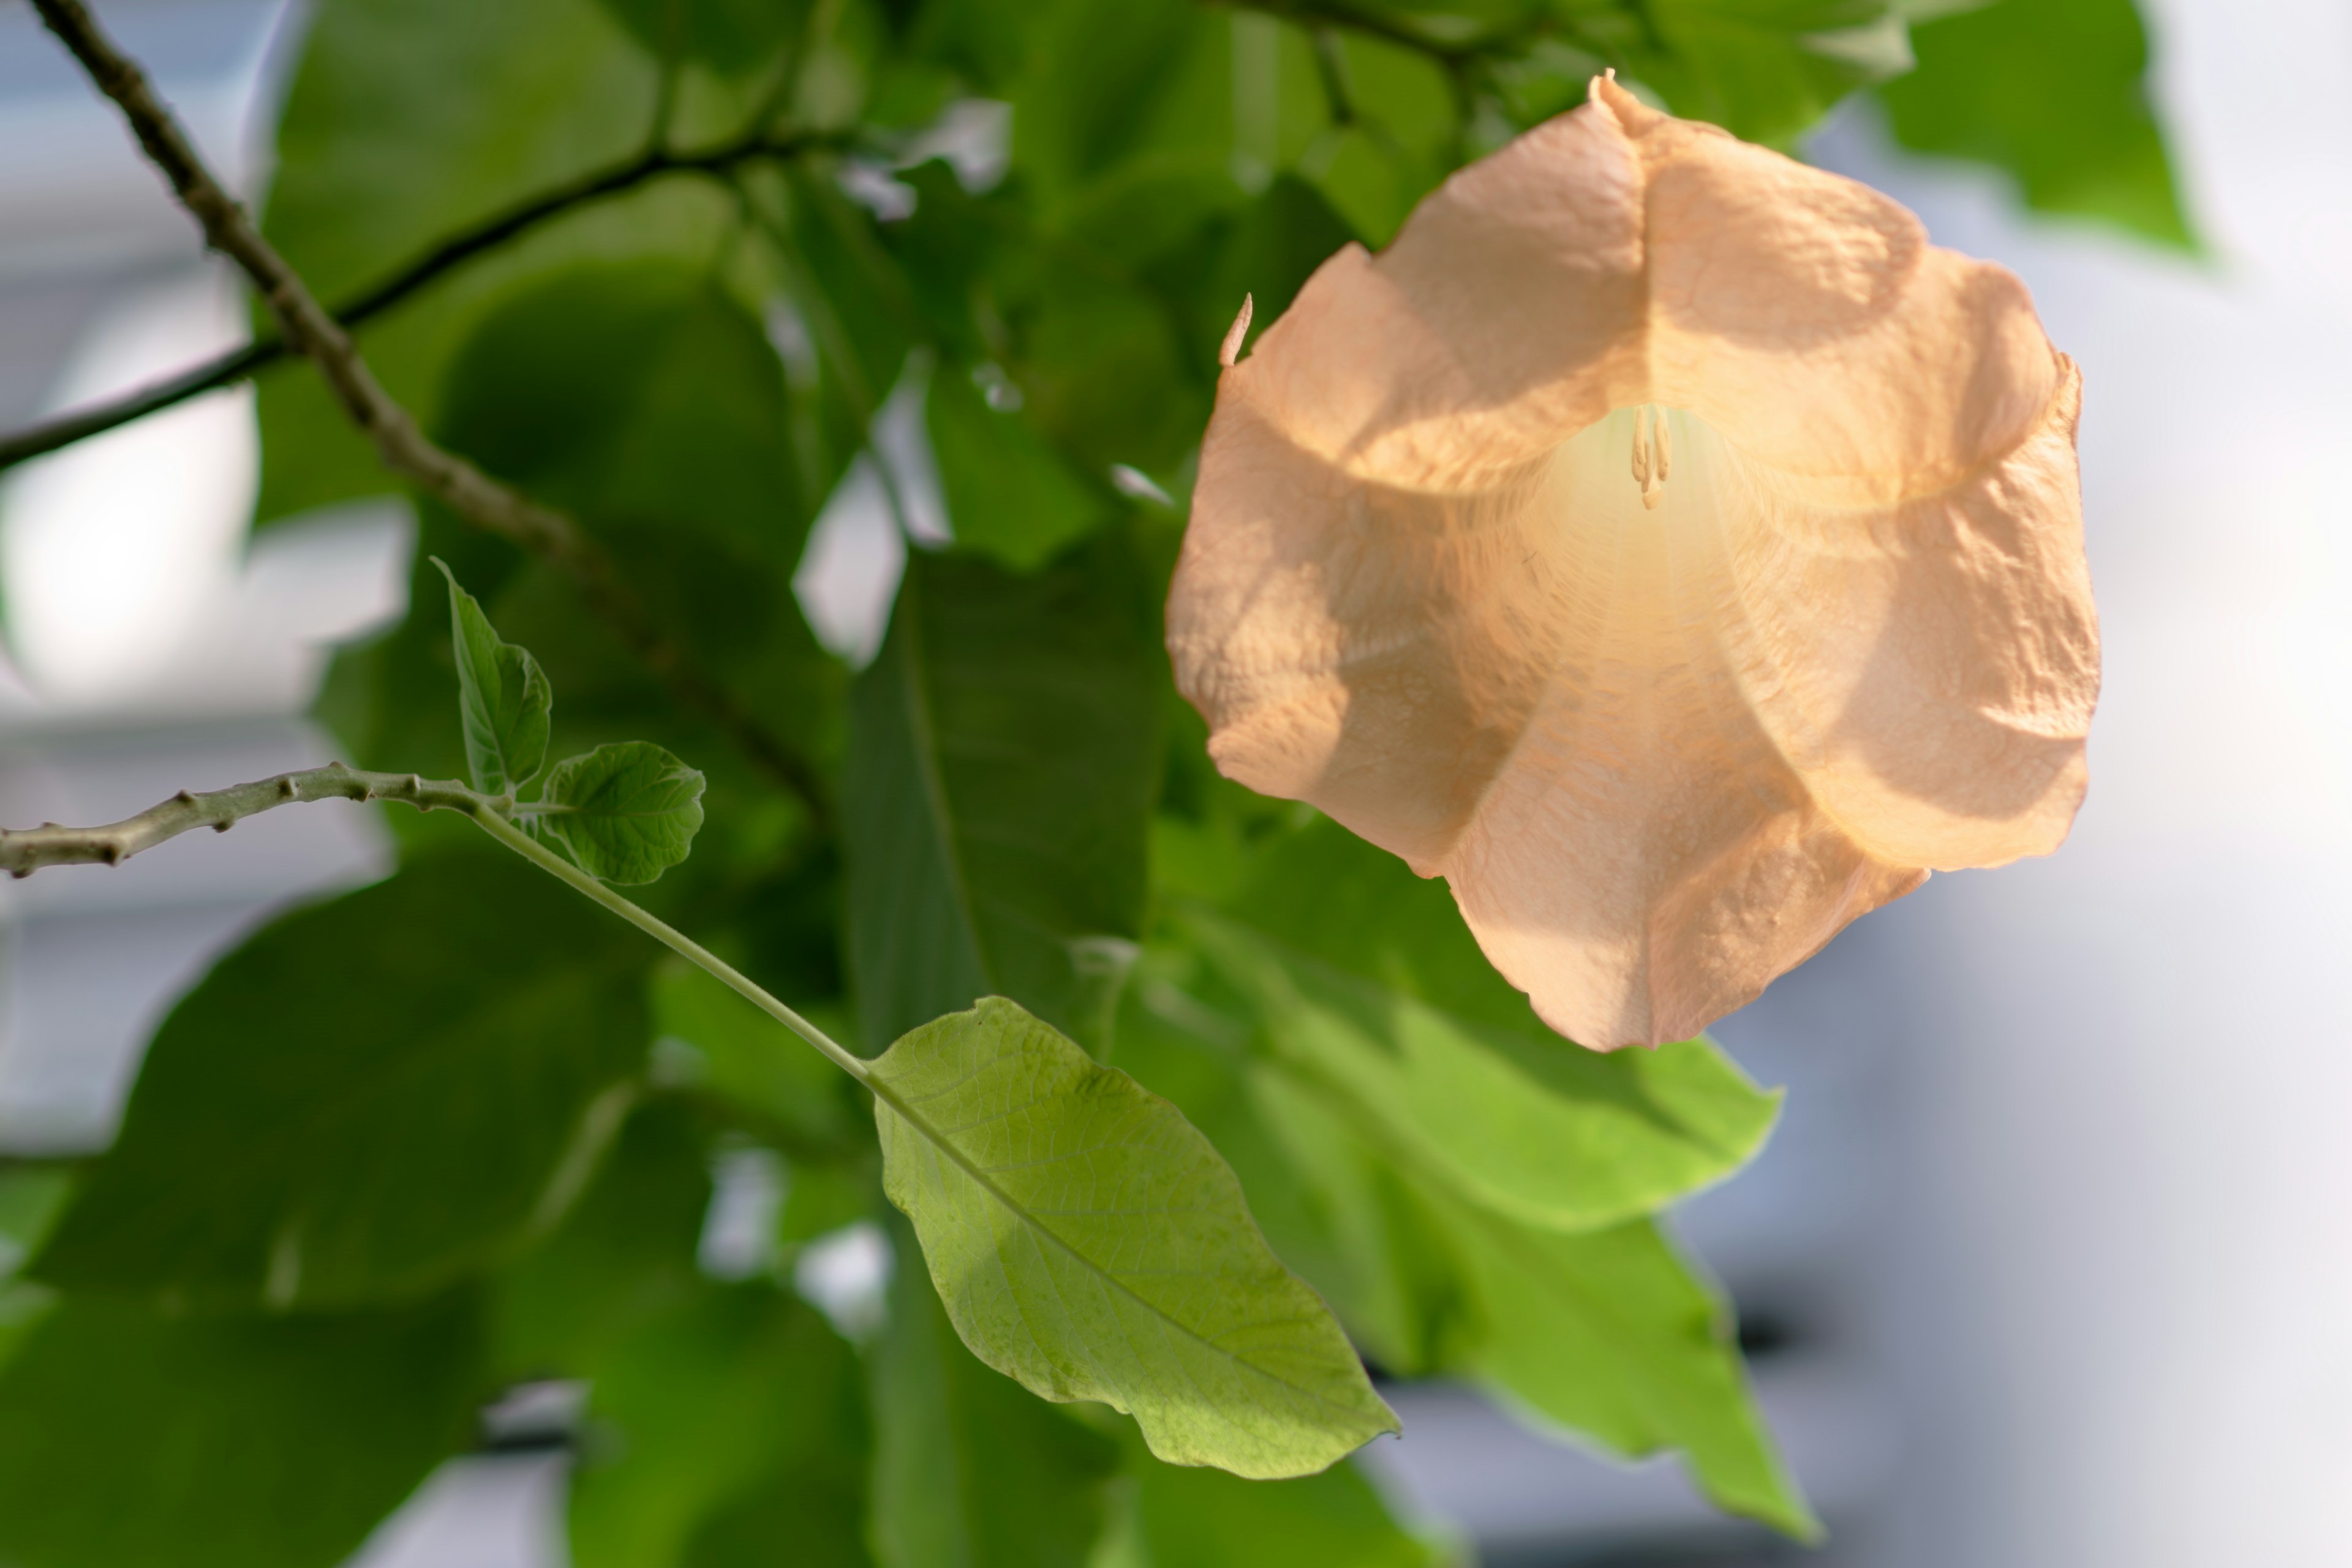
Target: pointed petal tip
{"points": [[1229, 352]]}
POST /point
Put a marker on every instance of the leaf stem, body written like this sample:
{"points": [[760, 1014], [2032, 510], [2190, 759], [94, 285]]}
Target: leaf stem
{"points": [[677, 941]]}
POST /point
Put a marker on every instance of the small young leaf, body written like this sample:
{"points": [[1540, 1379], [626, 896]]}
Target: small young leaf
{"points": [[1087, 1241], [502, 696], [627, 813]]}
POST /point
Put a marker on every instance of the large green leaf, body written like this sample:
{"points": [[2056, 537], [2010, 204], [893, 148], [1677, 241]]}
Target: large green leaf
{"points": [[408, 121], [625, 1257], [969, 1471], [1606, 1334], [627, 812], [1009, 496], [1603, 1333], [30, 1199], [742, 1392], [1767, 69], [2057, 94], [1003, 752], [129, 1440], [1186, 1518], [730, 36], [370, 1098], [1089, 1242], [503, 698], [1362, 976], [633, 393]]}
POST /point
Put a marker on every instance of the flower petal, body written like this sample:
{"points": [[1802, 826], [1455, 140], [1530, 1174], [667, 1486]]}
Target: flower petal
{"points": [[1661, 755], [1806, 317]]}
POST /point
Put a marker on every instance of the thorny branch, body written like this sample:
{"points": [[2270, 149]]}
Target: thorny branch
{"points": [[402, 446]]}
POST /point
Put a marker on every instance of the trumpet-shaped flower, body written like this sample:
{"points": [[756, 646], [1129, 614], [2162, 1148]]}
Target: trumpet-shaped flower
{"points": [[1664, 543]]}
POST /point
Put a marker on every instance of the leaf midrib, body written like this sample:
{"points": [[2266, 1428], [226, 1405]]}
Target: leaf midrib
{"points": [[899, 1105]]}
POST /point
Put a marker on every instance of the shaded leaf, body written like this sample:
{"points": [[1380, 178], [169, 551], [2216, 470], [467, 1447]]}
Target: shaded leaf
{"points": [[627, 813], [503, 698], [1194, 1518], [730, 36], [1004, 752], [407, 121], [740, 1392], [1009, 496], [1088, 1242], [2055, 92], [133, 1441], [747, 1056], [30, 1199], [1767, 69], [372, 1096], [969, 1471], [624, 1256], [633, 393]]}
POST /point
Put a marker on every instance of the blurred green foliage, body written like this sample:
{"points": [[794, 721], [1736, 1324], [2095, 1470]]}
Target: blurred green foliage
{"points": [[412, 1146]]}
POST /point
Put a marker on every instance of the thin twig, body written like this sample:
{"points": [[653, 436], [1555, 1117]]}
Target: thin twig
{"points": [[445, 256], [24, 852], [402, 446], [28, 850]]}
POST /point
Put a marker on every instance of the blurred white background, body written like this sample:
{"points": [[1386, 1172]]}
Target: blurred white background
{"points": [[2048, 1265]]}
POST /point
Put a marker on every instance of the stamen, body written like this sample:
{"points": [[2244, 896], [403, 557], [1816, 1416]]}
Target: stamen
{"points": [[1650, 475]]}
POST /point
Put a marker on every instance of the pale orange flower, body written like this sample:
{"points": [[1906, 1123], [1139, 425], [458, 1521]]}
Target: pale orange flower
{"points": [[1664, 543]]}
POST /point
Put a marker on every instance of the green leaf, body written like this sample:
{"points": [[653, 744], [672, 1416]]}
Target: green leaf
{"points": [[30, 1198], [624, 1256], [633, 394], [747, 1056], [969, 1471], [730, 36], [1765, 69], [129, 1440], [503, 698], [371, 1097], [1089, 1242], [1362, 976], [626, 813], [1610, 1336], [742, 1392], [2055, 92], [1009, 496], [1603, 1334], [1338, 1520], [408, 121], [1004, 752]]}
